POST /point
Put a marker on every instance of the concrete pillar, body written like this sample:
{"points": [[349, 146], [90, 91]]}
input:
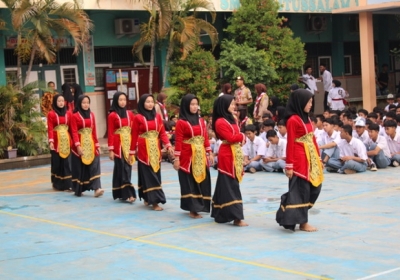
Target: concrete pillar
{"points": [[367, 61]]}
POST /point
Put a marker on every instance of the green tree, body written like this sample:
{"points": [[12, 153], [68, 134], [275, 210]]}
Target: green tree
{"points": [[38, 21], [258, 24], [197, 74]]}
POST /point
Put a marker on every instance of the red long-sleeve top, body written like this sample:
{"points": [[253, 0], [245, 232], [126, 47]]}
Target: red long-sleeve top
{"points": [[70, 106], [52, 121], [138, 144], [184, 131], [296, 158], [230, 133], [114, 123], [77, 123]]}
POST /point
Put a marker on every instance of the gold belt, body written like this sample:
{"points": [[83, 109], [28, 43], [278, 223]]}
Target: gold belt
{"points": [[153, 152], [314, 162], [198, 158], [64, 145], [125, 137], [87, 145], [237, 159]]}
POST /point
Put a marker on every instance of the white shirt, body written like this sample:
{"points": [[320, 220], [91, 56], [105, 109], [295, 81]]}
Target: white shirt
{"points": [[393, 144], [335, 137], [335, 98], [258, 147], [364, 137], [318, 134], [277, 150], [387, 106], [382, 131], [398, 129], [353, 148], [216, 146], [221, 94], [327, 80], [310, 81], [382, 144], [284, 137]]}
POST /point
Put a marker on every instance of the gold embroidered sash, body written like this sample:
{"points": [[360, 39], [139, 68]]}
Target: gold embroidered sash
{"points": [[198, 158], [153, 152], [237, 159], [314, 162], [125, 137], [87, 145], [64, 145]]}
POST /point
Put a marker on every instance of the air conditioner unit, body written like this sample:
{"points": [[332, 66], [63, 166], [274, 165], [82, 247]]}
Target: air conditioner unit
{"points": [[127, 26], [354, 24], [316, 23]]}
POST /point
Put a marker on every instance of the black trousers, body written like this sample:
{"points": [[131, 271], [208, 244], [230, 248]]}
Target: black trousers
{"points": [[326, 107]]}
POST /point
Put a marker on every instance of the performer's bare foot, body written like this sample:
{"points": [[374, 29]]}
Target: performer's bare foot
{"points": [[156, 207], [307, 227], [98, 192], [131, 199], [240, 223], [145, 203], [195, 215]]}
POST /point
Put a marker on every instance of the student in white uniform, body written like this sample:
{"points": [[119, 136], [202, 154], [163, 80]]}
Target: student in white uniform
{"points": [[275, 158], [393, 141], [327, 81], [253, 150], [329, 142], [361, 133], [377, 149], [336, 96], [282, 131]]}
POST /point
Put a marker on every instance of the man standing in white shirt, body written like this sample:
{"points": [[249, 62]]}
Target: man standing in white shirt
{"points": [[377, 149], [253, 150], [326, 78], [275, 158], [353, 154], [393, 141], [310, 82]]}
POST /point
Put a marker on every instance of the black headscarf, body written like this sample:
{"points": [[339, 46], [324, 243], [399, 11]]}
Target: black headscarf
{"points": [[115, 106], [184, 110], [78, 91], [275, 103], [297, 101], [149, 115], [66, 92], [280, 113], [220, 110], [60, 111], [78, 107]]}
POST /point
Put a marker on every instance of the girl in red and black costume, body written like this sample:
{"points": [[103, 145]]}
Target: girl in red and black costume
{"points": [[147, 131], [227, 202], [120, 122], [192, 158], [58, 129], [303, 165], [85, 149]]}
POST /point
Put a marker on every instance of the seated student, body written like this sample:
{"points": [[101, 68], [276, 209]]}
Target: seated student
{"points": [[392, 107], [329, 142], [373, 117], [398, 110], [275, 158], [253, 150], [327, 113], [362, 113], [390, 116], [393, 141], [267, 125], [282, 131], [398, 124], [212, 139], [353, 154], [319, 129], [377, 149], [361, 133]]}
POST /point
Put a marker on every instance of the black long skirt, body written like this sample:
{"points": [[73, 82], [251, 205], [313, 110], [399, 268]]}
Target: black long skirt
{"points": [[195, 197], [60, 172], [85, 177], [149, 183], [227, 202], [296, 203], [122, 186]]}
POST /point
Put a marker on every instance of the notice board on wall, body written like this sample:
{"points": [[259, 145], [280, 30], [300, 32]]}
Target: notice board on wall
{"points": [[134, 82]]}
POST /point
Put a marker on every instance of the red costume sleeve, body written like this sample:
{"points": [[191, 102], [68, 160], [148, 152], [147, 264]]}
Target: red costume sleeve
{"points": [[50, 126], [94, 132], [205, 135], [226, 132], [74, 129], [291, 135], [110, 129], [179, 137], [135, 133]]}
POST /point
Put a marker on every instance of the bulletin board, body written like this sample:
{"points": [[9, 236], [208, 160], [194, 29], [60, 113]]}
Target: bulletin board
{"points": [[134, 82]]}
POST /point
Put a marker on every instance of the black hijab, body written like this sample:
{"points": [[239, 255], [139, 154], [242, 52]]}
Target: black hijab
{"points": [[66, 91], [115, 106], [78, 91], [280, 113], [78, 107], [275, 103], [59, 111], [220, 110], [149, 115], [297, 101], [184, 110]]}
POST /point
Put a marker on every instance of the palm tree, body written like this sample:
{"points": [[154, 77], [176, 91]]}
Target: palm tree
{"points": [[37, 21], [177, 24]]}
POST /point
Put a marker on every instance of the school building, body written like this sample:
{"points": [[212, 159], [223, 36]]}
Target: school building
{"points": [[349, 36]]}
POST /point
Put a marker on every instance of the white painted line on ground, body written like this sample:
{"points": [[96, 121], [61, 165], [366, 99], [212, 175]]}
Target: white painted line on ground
{"points": [[379, 274]]}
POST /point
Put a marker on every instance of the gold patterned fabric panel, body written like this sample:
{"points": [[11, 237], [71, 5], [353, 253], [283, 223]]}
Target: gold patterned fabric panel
{"points": [[87, 145], [125, 137], [153, 152], [198, 158], [237, 160], [64, 145], [314, 162]]}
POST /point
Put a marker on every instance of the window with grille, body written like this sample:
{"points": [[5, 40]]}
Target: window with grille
{"points": [[348, 69], [99, 73], [69, 74]]}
